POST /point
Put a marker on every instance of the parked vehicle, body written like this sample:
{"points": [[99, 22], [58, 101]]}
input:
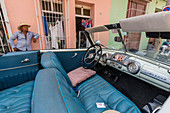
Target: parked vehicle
{"points": [[124, 77]]}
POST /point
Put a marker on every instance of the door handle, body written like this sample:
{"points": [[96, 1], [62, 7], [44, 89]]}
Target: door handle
{"points": [[26, 60], [75, 54]]}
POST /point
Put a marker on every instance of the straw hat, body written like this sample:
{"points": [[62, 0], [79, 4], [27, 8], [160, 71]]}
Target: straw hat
{"points": [[22, 24]]}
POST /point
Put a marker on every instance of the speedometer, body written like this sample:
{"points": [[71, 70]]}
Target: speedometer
{"points": [[133, 67]]}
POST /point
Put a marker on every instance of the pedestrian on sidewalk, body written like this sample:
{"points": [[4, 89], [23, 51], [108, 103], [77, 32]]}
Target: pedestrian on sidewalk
{"points": [[23, 37]]}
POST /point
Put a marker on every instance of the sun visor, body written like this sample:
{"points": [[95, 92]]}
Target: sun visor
{"points": [[96, 29], [156, 22]]}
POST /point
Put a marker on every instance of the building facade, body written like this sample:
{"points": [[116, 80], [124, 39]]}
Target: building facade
{"points": [[130, 8], [70, 17]]}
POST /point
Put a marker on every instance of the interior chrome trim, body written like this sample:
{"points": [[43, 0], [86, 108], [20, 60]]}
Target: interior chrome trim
{"points": [[156, 110], [64, 50], [18, 67], [26, 60], [75, 54]]}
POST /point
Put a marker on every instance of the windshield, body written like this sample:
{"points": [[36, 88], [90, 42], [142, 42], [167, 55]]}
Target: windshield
{"points": [[137, 43]]}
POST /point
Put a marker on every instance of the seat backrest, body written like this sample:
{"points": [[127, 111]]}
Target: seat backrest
{"points": [[53, 94], [50, 60]]}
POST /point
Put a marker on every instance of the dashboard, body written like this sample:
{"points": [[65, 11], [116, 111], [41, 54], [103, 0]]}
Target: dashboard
{"points": [[147, 70], [119, 60]]}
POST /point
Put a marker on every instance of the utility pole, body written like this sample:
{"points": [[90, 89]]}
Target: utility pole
{"points": [[168, 2]]}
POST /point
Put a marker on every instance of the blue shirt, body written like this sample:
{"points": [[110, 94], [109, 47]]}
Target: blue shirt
{"points": [[22, 42], [166, 43]]}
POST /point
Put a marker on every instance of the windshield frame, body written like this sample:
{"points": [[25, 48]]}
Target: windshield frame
{"points": [[124, 48]]}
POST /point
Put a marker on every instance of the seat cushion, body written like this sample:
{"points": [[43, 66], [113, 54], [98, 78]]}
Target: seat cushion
{"points": [[97, 90], [79, 75], [50, 60], [17, 99]]}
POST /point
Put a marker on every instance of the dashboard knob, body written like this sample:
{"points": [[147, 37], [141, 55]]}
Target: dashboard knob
{"points": [[169, 71]]}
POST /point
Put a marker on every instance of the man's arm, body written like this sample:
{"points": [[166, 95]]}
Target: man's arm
{"points": [[167, 43], [36, 36], [12, 38]]}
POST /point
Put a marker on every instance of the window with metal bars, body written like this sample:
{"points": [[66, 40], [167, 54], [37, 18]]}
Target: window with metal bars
{"points": [[4, 45], [83, 11], [53, 21]]}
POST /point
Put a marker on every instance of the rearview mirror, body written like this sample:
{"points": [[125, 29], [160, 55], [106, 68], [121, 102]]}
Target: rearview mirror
{"points": [[98, 42]]}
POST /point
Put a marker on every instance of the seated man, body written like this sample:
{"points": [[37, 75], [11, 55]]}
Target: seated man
{"points": [[150, 46], [166, 46], [167, 43]]}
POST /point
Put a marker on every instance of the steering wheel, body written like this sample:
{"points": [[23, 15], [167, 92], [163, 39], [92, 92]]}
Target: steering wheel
{"points": [[92, 56]]}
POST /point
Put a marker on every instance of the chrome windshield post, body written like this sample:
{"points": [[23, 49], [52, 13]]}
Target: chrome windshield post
{"points": [[120, 34]]}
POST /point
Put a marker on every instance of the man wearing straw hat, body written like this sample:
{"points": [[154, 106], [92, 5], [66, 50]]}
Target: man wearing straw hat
{"points": [[23, 38]]}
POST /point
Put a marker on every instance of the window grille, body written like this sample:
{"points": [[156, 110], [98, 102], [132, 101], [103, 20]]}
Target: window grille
{"points": [[83, 11], [53, 21], [4, 45]]}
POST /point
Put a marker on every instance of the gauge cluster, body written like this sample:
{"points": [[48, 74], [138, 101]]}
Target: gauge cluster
{"points": [[119, 57], [119, 60]]}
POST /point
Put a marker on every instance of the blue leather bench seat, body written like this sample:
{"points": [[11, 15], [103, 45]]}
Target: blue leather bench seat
{"points": [[96, 89], [17, 99], [92, 91]]}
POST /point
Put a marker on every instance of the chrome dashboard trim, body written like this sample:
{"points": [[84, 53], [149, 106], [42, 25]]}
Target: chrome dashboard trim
{"points": [[159, 77]]}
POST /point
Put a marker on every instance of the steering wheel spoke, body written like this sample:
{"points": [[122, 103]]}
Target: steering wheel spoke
{"points": [[86, 59], [92, 56]]}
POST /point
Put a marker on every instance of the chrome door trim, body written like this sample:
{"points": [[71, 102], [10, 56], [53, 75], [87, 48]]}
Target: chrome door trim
{"points": [[18, 67], [63, 50]]}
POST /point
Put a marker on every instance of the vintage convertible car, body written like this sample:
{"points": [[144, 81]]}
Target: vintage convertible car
{"points": [[117, 76]]}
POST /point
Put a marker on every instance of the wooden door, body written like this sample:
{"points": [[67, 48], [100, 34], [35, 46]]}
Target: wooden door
{"points": [[135, 8]]}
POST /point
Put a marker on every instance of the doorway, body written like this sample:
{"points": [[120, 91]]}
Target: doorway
{"points": [[83, 21]]}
